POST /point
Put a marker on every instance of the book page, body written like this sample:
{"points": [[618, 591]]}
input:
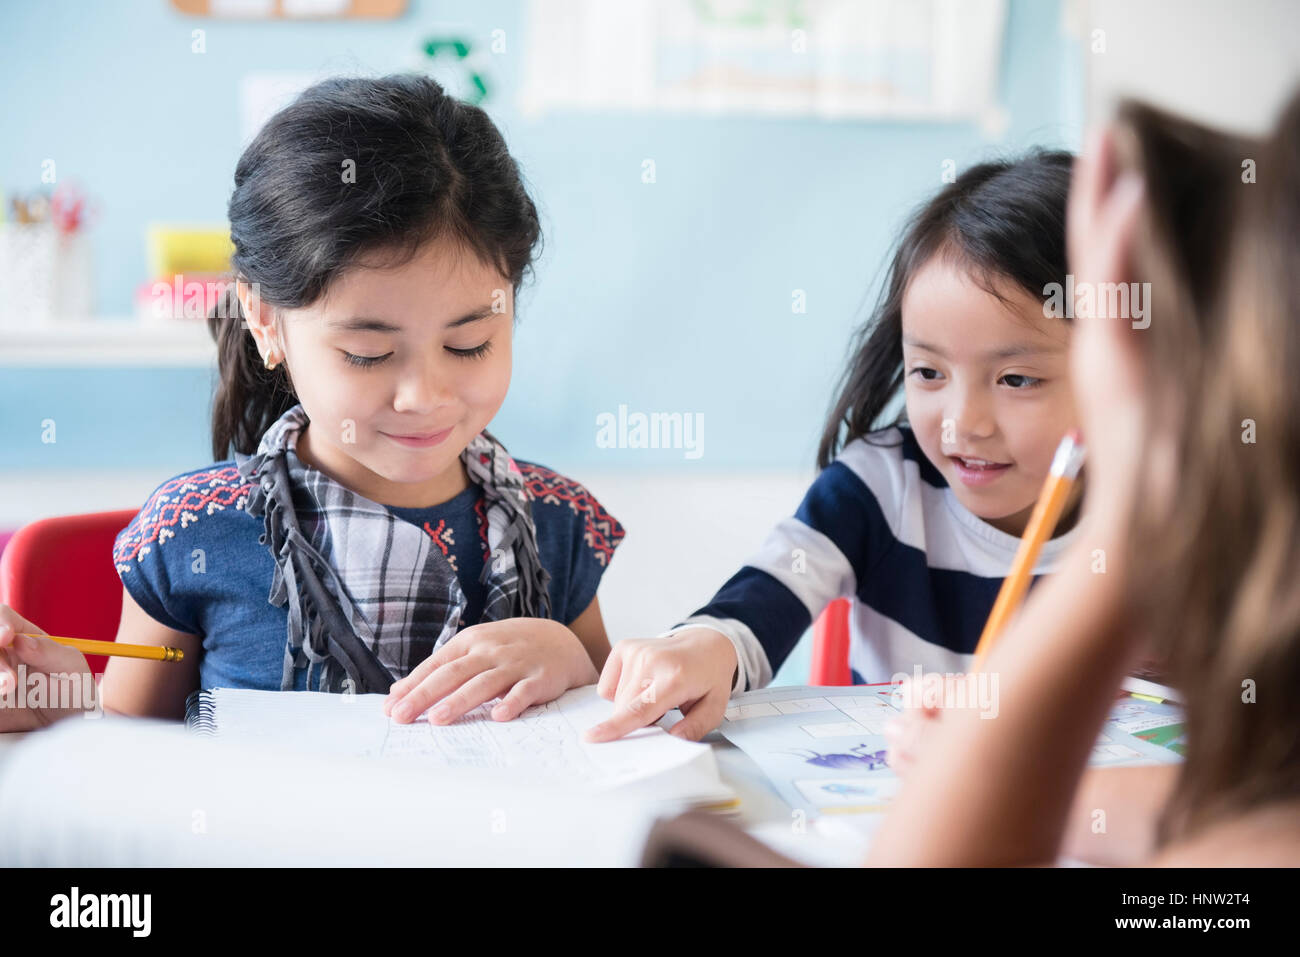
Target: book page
{"points": [[824, 749], [545, 741], [121, 792]]}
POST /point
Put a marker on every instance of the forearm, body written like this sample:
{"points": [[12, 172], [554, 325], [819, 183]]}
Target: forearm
{"points": [[589, 629], [999, 790], [1113, 819]]}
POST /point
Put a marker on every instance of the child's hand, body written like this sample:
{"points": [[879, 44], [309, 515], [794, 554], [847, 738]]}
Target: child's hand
{"points": [[526, 660], [648, 677], [905, 736], [1107, 354], [39, 655]]}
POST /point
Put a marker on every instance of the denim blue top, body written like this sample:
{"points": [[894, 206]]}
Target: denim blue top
{"points": [[192, 560]]}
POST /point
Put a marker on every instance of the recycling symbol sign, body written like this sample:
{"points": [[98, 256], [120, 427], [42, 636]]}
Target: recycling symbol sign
{"points": [[461, 71]]}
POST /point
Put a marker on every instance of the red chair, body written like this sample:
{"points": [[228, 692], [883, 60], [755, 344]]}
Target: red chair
{"points": [[58, 574], [830, 651]]}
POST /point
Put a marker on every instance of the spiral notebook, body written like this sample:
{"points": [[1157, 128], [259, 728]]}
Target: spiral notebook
{"points": [[543, 743]]}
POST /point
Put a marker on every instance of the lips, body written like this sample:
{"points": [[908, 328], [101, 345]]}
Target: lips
{"points": [[421, 439], [416, 436], [975, 472], [970, 462]]}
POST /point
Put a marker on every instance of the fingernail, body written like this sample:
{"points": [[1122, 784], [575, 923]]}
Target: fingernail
{"points": [[401, 712], [440, 713]]}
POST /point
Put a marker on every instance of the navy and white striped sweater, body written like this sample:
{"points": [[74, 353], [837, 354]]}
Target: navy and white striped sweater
{"points": [[881, 526]]}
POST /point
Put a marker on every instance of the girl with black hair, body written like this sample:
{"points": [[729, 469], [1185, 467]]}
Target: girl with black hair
{"points": [[369, 534], [916, 518]]}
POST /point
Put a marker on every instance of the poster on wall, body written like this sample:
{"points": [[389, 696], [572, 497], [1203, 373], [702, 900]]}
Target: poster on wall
{"points": [[292, 9], [899, 59]]}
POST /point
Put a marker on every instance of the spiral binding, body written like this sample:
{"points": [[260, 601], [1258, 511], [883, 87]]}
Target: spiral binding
{"points": [[201, 713]]}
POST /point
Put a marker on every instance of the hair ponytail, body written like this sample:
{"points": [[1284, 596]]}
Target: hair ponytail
{"points": [[422, 166]]}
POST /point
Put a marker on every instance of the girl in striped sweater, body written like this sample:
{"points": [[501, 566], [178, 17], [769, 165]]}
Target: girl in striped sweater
{"points": [[916, 522]]}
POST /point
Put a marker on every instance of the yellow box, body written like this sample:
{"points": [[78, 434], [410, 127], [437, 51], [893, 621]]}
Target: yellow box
{"points": [[188, 249]]}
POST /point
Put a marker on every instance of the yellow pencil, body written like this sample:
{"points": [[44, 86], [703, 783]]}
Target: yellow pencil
{"points": [[88, 646], [1051, 502], [855, 809], [726, 805]]}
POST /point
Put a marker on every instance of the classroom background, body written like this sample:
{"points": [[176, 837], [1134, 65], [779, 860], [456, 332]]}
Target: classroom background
{"points": [[717, 205]]}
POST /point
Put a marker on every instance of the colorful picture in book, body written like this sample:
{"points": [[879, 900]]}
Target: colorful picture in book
{"points": [[1157, 722], [855, 758]]}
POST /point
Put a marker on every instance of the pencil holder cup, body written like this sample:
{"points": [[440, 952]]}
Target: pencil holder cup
{"points": [[45, 275]]}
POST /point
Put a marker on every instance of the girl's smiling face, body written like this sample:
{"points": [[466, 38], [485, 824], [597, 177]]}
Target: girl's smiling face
{"points": [[398, 368], [987, 388]]}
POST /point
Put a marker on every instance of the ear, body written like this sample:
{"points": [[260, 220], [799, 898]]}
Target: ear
{"points": [[261, 319]]}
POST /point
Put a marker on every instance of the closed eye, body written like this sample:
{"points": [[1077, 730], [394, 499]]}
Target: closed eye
{"points": [[477, 352], [364, 361]]}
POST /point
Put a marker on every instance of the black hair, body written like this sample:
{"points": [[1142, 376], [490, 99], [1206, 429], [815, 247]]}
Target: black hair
{"points": [[424, 166], [1005, 220]]}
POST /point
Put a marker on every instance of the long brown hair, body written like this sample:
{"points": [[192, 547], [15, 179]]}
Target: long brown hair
{"points": [[424, 165], [1215, 585]]}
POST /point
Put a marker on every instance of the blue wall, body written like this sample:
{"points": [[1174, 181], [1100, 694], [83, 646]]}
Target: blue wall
{"points": [[666, 297]]}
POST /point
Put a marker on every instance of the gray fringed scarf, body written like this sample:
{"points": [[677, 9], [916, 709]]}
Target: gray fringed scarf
{"points": [[369, 594]]}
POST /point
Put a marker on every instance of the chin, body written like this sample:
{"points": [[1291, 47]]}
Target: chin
{"points": [[983, 508], [412, 472]]}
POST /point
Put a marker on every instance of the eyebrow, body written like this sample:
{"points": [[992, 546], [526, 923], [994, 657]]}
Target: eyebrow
{"points": [[368, 324], [1007, 353]]}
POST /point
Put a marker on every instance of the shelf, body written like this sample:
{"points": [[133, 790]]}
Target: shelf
{"points": [[108, 342]]}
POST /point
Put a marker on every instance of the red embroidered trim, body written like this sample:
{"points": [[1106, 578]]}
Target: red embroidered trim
{"points": [[602, 531], [480, 515], [178, 503], [444, 536]]}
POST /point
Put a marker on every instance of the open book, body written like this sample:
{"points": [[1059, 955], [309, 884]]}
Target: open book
{"points": [[543, 744], [273, 778], [824, 751]]}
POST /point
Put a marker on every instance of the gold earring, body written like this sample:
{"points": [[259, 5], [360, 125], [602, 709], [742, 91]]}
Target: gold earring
{"points": [[270, 364]]}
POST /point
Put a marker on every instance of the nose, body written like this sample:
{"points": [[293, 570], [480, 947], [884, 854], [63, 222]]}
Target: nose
{"points": [[971, 414], [424, 386]]}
